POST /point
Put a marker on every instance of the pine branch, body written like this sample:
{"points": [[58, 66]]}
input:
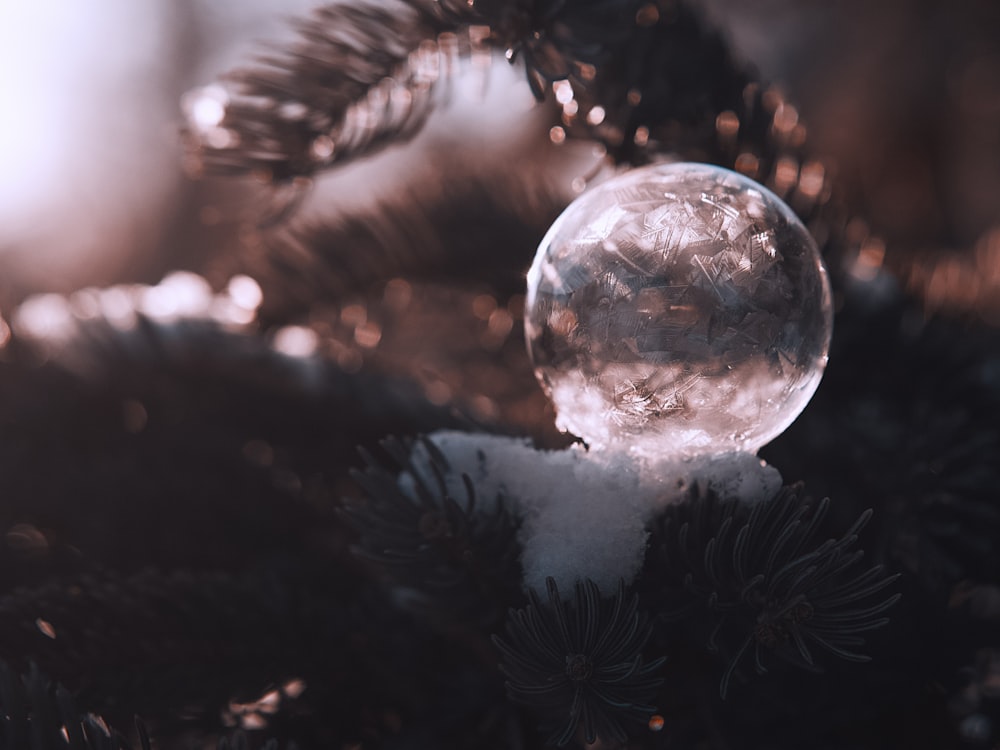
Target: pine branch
{"points": [[431, 533], [760, 581], [361, 74], [579, 664], [364, 74]]}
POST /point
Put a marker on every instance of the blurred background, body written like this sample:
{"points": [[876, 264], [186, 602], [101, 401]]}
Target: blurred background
{"points": [[904, 97], [91, 187]]}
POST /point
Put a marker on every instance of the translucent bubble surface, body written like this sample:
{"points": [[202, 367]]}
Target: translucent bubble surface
{"points": [[678, 310]]}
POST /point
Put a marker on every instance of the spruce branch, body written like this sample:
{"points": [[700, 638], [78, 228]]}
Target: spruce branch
{"points": [[428, 529], [364, 74], [761, 581], [361, 74], [579, 664]]}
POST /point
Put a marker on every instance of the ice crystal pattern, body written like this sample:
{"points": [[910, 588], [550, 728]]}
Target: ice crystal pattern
{"points": [[678, 309], [579, 663]]}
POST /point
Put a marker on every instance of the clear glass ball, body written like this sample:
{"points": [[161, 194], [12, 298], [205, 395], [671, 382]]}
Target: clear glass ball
{"points": [[678, 310]]}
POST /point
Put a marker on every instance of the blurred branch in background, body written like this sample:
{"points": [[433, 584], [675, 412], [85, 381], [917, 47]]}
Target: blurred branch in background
{"points": [[903, 100]]}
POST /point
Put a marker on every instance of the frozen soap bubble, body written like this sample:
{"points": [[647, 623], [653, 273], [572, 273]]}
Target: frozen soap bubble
{"points": [[678, 310]]}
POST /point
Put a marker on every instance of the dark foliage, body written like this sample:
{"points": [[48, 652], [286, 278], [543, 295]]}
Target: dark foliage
{"points": [[557, 40], [976, 706], [666, 70], [915, 437], [579, 664], [182, 445], [457, 554], [35, 715], [238, 741], [220, 462], [216, 634], [186, 649], [757, 579]]}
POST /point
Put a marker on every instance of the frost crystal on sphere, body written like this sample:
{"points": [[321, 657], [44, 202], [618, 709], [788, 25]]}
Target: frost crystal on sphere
{"points": [[678, 309]]}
